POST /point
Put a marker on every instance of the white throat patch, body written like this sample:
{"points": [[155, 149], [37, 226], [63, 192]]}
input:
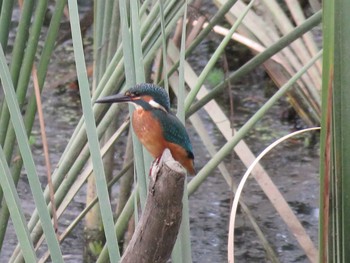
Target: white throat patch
{"points": [[156, 105]]}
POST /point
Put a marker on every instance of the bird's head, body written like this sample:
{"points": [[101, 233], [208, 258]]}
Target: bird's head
{"points": [[145, 95]]}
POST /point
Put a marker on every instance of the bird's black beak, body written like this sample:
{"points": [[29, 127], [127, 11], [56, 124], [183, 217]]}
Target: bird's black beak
{"points": [[114, 99]]}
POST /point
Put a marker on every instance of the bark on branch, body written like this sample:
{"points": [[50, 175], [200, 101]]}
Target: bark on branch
{"points": [[156, 232]]}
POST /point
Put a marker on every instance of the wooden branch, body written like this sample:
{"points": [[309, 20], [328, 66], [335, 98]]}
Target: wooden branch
{"points": [[156, 232]]}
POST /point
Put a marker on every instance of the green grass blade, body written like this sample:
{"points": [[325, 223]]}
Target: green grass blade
{"points": [[164, 48], [5, 21], [21, 39], [340, 130], [28, 161], [113, 33], [88, 207], [326, 222], [182, 249], [99, 8], [101, 183], [130, 76], [227, 148], [217, 54], [181, 89], [139, 71], [259, 59], [16, 212], [25, 70], [16, 62], [218, 17], [137, 45], [122, 222], [106, 41], [31, 107], [127, 46]]}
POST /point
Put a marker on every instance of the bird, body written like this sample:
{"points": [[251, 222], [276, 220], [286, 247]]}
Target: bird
{"points": [[155, 125]]}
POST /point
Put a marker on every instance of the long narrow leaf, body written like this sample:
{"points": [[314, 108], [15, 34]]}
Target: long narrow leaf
{"points": [[28, 160], [340, 132], [226, 149], [31, 107], [182, 248], [5, 21], [164, 49], [215, 20], [130, 76], [101, 183], [13, 202], [327, 221], [181, 88], [139, 67], [211, 63], [260, 58]]}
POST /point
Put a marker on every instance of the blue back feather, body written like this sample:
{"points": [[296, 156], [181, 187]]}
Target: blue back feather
{"points": [[174, 131]]}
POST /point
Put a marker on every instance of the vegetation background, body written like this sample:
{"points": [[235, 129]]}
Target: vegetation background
{"points": [[116, 44]]}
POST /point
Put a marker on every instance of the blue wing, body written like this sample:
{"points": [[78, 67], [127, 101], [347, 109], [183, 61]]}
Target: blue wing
{"points": [[174, 131]]}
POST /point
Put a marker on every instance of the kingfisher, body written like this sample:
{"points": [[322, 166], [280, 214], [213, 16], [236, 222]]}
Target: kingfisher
{"points": [[155, 125]]}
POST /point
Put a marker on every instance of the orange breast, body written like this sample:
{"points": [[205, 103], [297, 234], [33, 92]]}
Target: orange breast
{"points": [[149, 132]]}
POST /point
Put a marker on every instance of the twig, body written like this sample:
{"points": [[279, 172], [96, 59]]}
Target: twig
{"points": [[45, 146]]}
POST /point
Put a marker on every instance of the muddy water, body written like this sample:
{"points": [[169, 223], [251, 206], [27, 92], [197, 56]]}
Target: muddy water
{"points": [[292, 166]]}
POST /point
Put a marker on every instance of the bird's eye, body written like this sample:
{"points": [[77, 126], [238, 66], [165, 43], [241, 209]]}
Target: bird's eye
{"points": [[135, 94]]}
